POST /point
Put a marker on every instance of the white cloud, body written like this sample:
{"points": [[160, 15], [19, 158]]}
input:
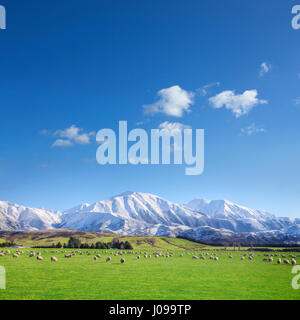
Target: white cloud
{"points": [[173, 127], [173, 101], [264, 68], [239, 104], [297, 101], [252, 129], [72, 135], [61, 143], [203, 91]]}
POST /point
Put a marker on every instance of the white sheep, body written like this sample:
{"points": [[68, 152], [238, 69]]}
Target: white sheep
{"points": [[54, 259]]}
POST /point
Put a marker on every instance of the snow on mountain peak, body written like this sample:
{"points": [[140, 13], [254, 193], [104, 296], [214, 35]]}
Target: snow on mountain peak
{"points": [[14, 216], [137, 213], [225, 208], [138, 207]]}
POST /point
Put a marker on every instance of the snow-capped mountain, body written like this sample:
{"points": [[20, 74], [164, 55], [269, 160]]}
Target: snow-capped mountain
{"points": [[227, 209], [132, 212], [136, 213], [16, 217]]}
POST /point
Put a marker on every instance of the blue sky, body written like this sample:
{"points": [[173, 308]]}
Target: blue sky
{"points": [[64, 63]]}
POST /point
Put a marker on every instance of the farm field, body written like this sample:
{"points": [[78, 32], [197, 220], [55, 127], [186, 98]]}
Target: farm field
{"points": [[177, 277]]}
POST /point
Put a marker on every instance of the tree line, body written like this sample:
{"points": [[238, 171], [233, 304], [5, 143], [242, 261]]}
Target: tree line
{"points": [[75, 243], [7, 244]]}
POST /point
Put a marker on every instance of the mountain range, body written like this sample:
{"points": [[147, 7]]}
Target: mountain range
{"points": [[136, 213]]}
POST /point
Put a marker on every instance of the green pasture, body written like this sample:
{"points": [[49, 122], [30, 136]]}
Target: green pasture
{"points": [[80, 277]]}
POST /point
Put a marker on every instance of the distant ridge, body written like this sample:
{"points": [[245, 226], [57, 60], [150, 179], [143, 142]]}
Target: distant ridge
{"points": [[137, 213]]}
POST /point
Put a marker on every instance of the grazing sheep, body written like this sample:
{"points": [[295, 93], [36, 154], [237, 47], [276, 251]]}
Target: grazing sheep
{"points": [[15, 255], [271, 259], [32, 254], [203, 258], [2, 254], [122, 260], [293, 261], [286, 261], [230, 257], [108, 259], [138, 257], [54, 259], [95, 258], [194, 257], [39, 257], [266, 259], [279, 261], [216, 258], [68, 256], [242, 258]]}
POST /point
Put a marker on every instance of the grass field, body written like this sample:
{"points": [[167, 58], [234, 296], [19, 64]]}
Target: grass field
{"points": [[80, 277]]}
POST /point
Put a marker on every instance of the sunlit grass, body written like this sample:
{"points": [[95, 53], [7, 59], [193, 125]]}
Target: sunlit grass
{"points": [[152, 278]]}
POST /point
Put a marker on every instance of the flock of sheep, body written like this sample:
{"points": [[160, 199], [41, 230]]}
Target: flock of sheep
{"points": [[212, 256]]}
